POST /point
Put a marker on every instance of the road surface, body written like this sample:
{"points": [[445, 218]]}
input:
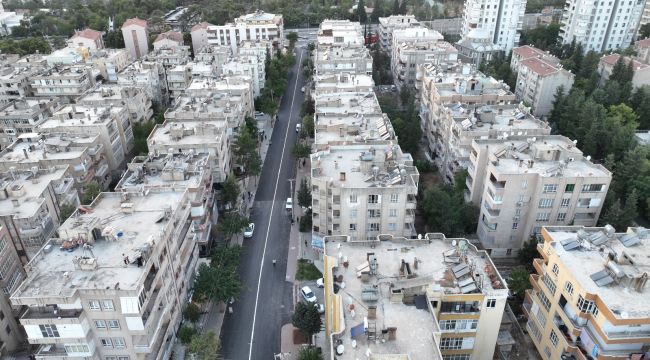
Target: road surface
{"points": [[252, 331]]}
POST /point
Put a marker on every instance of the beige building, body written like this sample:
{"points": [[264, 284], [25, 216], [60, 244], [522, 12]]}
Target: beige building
{"points": [[110, 62], [22, 117], [537, 83], [195, 137], [522, 184], [148, 76], [169, 57], [339, 33], [391, 23], [642, 49], [67, 82], [12, 273], [641, 71], [363, 190], [30, 207], [113, 284], [526, 52], [88, 38], [341, 82], [168, 40], [590, 294], [342, 59], [255, 26], [430, 298], [136, 37], [200, 36], [233, 90], [135, 99]]}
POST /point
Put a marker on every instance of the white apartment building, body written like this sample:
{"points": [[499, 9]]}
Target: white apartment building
{"points": [[589, 295], [501, 19], [136, 37], [15, 82], [89, 39], [135, 99], [363, 190], [65, 56], [85, 156], [416, 46], [214, 107], [641, 75], [168, 40], [30, 208], [526, 183], [200, 36], [8, 21], [537, 82], [218, 55], [119, 286], [111, 123], [66, 82], [11, 274], [342, 59], [601, 25], [194, 137], [255, 26], [526, 52], [179, 78], [169, 57], [147, 77], [248, 66], [341, 83], [110, 62], [22, 117], [340, 33], [233, 92], [477, 47], [458, 293], [391, 23]]}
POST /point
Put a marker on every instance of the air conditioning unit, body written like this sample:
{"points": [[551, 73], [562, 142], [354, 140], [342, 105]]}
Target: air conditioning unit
{"points": [[520, 204]]}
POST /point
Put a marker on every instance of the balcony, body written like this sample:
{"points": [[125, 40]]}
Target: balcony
{"points": [[51, 352], [50, 312], [540, 250], [539, 266], [640, 334], [528, 303], [534, 278]]}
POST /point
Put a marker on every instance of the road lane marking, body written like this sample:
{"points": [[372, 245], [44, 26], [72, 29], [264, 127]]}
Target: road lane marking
{"points": [[275, 191]]}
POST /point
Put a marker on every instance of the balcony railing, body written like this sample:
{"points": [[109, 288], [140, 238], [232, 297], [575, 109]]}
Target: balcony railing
{"points": [[628, 334], [51, 313]]}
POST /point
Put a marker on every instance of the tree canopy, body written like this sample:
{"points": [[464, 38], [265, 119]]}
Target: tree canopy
{"points": [[219, 281], [306, 319]]}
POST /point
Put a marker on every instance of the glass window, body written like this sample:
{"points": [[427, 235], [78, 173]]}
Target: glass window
{"points": [[585, 306], [515, 226], [561, 216], [569, 188], [353, 227], [553, 338], [593, 187], [392, 212], [107, 343], [113, 324], [544, 300], [543, 216], [565, 202], [394, 198], [555, 269], [550, 188], [549, 284], [93, 304], [100, 324], [545, 203], [107, 305], [373, 199], [353, 199], [49, 330], [491, 303], [568, 287], [119, 342], [451, 343]]}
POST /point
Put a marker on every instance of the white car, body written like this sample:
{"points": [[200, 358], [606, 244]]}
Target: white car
{"points": [[302, 89], [259, 114], [320, 307], [320, 283], [248, 232], [298, 127], [289, 204], [307, 294]]}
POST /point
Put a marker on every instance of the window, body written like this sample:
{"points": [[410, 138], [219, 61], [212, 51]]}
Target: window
{"points": [[456, 357], [568, 287], [553, 338], [524, 184], [373, 199], [394, 198], [585, 306], [561, 216], [336, 199], [93, 304], [107, 343], [49, 330], [491, 303], [119, 343], [550, 188], [392, 226], [100, 324], [353, 199], [549, 284], [565, 202], [545, 203], [107, 305], [547, 351], [593, 187], [374, 213], [373, 227], [113, 324], [515, 226], [392, 212], [353, 227], [543, 216], [569, 188], [544, 300], [534, 330], [76, 348], [555, 269], [451, 343], [353, 213]]}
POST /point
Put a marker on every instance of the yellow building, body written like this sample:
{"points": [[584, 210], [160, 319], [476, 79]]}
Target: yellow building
{"points": [[395, 298], [590, 298]]}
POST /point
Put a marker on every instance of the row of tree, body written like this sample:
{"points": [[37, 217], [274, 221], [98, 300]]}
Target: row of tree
{"points": [[277, 79]]}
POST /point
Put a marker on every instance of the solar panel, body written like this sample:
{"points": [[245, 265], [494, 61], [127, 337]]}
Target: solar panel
{"points": [[570, 244], [458, 268], [469, 288], [598, 238], [629, 240], [465, 282], [462, 273], [601, 278], [599, 275], [605, 281]]}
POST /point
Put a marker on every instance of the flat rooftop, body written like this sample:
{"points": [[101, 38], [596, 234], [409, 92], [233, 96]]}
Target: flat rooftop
{"points": [[324, 54], [239, 82], [342, 82], [53, 273], [463, 81], [186, 133], [25, 107], [27, 188], [350, 129], [81, 115], [31, 148], [506, 118], [107, 92], [589, 256], [347, 103], [432, 261], [166, 170]]}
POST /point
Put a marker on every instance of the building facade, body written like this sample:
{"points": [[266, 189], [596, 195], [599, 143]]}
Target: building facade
{"points": [[501, 20], [136, 37], [394, 22], [88, 38], [537, 83], [255, 26], [23, 117], [12, 274]]}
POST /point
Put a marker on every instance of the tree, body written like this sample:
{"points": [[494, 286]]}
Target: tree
{"points": [[528, 253], [644, 31], [402, 8], [186, 333], [361, 12], [519, 281], [310, 353], [90, 192], [640, 102], [304, 194], [301, 150], [230, 192], [251, 126], [232, 223], [306, 319], [395, 8], [66, 211], [543, 37], [245, 151], [205, 346], [192, 312], [292, 37], [219, 281], [377, 12], [309, 127]]}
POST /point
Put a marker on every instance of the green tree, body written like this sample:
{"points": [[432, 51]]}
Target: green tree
{"points": [[528, 253], [205, 346], [543, 37], [186, 333], [301, 150], [377, 12], [251, 126], [246, 152], [640, 102], [519, 281], [304, 194], [232, 223], [292, 37], [644, 31], [395, 8], [361, 12], [219, 281], [308, 125], [306, 319], [66, 211], [230, 192], [310, 353], [90, 192], [192, 312]]}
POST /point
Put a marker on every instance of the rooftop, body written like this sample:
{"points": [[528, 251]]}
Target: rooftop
{"points": [[259, 16], [35, 148], [72, 71], [81, 115], [171, 35], [421, 34], [399, 20], [27, 187], [201, 25], [643, 43], [175, 170], [96, 237], [613, 58], [540, 66], [135, 21], [463, 81], [108, 92], [607, 264], [527, 51], [499, 118], [187, 133], [347, 103], [450, 266], [25, 108], [88, 34], [643, 137], [353, 129], [328, 53]]}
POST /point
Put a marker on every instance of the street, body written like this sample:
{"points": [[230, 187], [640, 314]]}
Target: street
{"points": [[252, 330]]}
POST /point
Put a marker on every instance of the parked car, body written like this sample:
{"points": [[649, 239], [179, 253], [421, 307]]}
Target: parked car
{"points": [[307, 294], [320, 283], [259, 114], [248, 232], [302, 89], [298, 127], [289, 204], [320, 307]]}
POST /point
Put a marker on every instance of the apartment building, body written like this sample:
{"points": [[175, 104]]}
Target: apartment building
{"points": [[199, 34], [527, 52], [350, 118], [642, 50], [341, 83], [179, 171], [22, 117], [179, 78], [147, 77], [66, 56], [230, 90], [502, 20], [537, 83], [256, 54], [110, 62], [218, 55], [168, 40], [12, 273], [522, 184], [363, 190], [137, 102], [589, 295], [416, 46], [67, 82], [477, 47], [601, 26], [15, 82], [445, 299], [343, 33], [136, 37], [88, 38], [169, 57], [249, 66], [342, 59], [641, 75], [84, 154], [114, 282], [111, 123], [195, 137], [391, 23], [30, 208], [255, 26]]}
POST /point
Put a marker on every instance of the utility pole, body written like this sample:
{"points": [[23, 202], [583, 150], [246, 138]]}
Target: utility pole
{"points": [[291, 186]]}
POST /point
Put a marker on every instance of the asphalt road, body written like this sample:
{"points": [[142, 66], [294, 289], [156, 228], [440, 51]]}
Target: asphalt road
{"points": [[252, 331]]}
